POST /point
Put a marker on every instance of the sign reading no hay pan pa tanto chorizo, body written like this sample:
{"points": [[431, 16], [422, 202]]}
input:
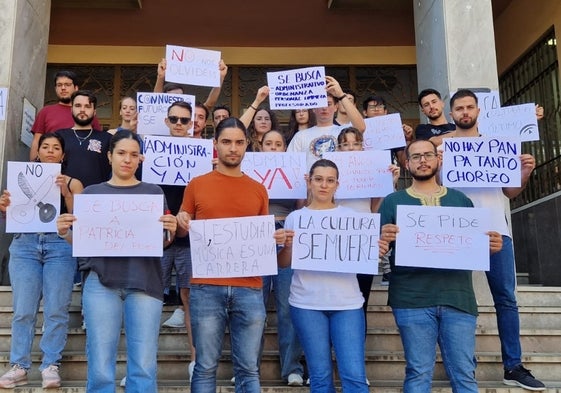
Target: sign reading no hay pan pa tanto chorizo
{"points": [[481, 162]]}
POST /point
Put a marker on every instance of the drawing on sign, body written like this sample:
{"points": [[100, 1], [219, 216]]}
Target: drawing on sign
{"points": [[24, 213]]}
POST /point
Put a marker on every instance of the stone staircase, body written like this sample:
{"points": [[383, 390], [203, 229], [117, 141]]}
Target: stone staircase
{"points": [[540, 313]]}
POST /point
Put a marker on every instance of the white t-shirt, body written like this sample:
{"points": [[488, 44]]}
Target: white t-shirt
{"points": [[314, 142], [315, 290]]}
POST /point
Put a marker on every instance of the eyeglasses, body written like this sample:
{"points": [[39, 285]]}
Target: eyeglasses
{"points": [[183, 120], [59, 85], [347, 145], [417, 157], [377, 107], [320, 179]]}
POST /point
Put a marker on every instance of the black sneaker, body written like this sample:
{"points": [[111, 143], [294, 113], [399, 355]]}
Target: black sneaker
{"points": [[385, 279], [519, 376]]}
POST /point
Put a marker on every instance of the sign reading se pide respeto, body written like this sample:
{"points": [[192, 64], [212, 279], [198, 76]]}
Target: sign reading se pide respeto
{"points": [[233, 247], [442, 237], [192, 66], [345, 242], [481, 162], [301, 88], [153, 109], [175, 160]]}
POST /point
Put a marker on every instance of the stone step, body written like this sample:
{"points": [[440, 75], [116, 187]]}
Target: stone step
{"points": [[379, 366], [377, 339], [530, 317], [385, 386], [527, 296]]}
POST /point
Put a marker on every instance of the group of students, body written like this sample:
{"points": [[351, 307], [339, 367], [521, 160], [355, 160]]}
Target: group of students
{"points": [[317, 311]]}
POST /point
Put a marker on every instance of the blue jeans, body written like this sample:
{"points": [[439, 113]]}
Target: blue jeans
{"points": [[105, 309], [290, 349], [214, 307], [454, 331], [344, 329], [41, 265], [502, 283]]}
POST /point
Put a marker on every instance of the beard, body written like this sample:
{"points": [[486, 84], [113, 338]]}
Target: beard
{"points": [[65, 100], [424, 177], [465, 126], [434, 116], [82, 122]]}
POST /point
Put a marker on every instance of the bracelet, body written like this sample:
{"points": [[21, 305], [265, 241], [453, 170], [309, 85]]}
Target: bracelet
{"points": [[340, 98], [252, 107], [65, 235]]}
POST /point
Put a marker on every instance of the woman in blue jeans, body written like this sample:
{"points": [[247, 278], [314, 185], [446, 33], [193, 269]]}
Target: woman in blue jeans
{"points": [[41, 266], [326, 307], [122, 289]]}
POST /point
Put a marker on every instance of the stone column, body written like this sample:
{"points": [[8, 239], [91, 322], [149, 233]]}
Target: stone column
{"points": [[456, 49], [24, 35]]}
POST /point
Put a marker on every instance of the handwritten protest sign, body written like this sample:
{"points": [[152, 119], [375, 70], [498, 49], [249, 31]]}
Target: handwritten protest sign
{"points": [[487, 99], [481, 162], [345, 242], [153, 110], [27, 120], [514, 122], [192, 66], [34, 197], [442, 237], [175, 160], [362, 174], [297, 89], [233, 247], [124, 225], [383, 132], [282, 174]]}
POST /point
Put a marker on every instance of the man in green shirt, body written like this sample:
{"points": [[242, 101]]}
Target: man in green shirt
{"points": [[431, 305]]}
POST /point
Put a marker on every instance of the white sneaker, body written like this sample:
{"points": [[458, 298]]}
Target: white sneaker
{"points": [[177, 319], [191, 370], [233, 380], [367, 382], [123, 382], [295, 380], [16, 376], [50, 377]]}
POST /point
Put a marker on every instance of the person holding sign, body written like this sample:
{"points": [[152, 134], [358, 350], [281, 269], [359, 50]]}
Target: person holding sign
{"points": [[431, 305], [322, 137], [41, 267], [233, 301], [351, 139], [326, 307], [260, 122], [122, 289], [290, 349], [502, 275]]}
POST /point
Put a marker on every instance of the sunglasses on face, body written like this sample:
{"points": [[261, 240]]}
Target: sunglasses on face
{"points": [[183, 120]]}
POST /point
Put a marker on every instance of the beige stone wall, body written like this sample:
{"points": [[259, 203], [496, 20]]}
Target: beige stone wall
{"points": [[521, 25], [24, 31]]}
